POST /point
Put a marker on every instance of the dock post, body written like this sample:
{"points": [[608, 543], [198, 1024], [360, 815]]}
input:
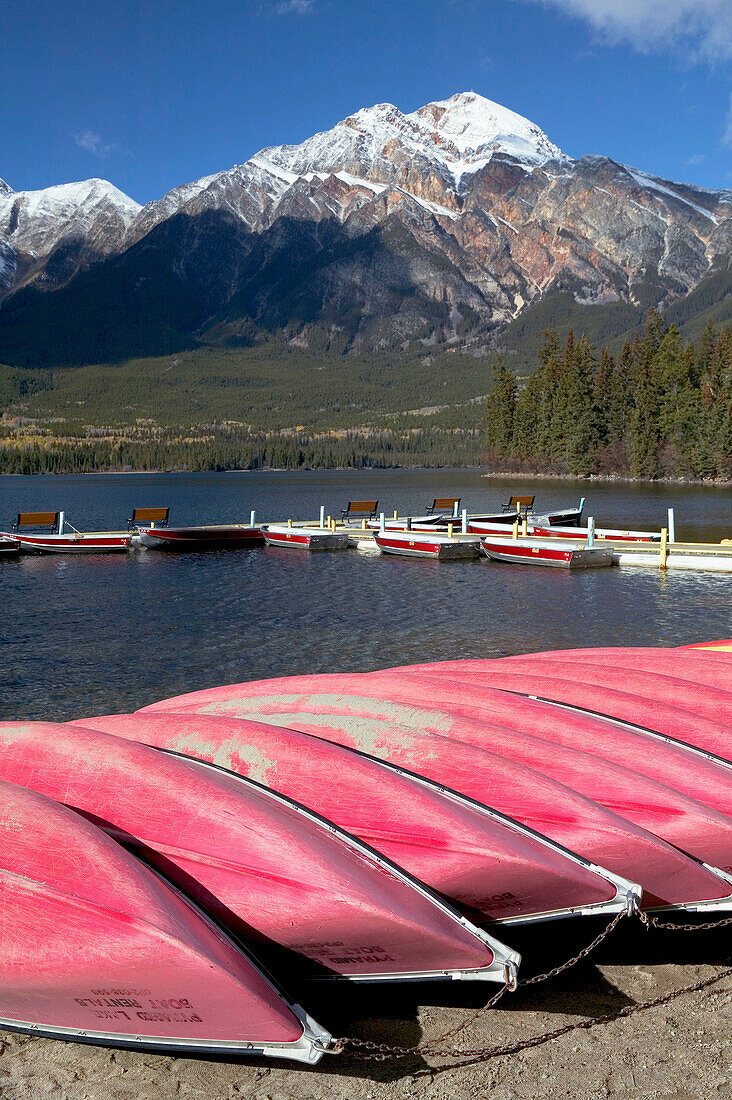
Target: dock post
{"points": [[396, 514], [455, 510], [363, 524], [61, 518], [671, 526], [664, 547], [289, 523], [322, 515], [590, 532], [382, 523], [465, 521], [449, 530], [251, 518], [515, 528], [525, 527]]}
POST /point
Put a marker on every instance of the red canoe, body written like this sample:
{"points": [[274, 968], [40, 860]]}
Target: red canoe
{"points": [[657, 702], [676, 765], [269, 870], [697, 667], [686, 823], [335, 707], [98, 949], [492, 869]]}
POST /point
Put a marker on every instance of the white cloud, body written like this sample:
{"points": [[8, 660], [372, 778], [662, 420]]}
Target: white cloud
{"points": [[294, 7], [703, 28], [92, 143]]}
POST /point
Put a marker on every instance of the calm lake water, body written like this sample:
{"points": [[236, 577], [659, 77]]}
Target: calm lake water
{"points": [[93, 634]]}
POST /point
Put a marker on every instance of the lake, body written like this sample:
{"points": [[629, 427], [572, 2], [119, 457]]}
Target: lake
{"points": [[88, 635]]}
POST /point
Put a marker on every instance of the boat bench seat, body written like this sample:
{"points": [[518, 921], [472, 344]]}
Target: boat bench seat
{"points": [[37, 519], [360, 509], [519, 504], [445, 504], [149, 515]]}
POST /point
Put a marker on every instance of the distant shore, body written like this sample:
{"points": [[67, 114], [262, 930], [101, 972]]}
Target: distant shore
{"points": [[506, 475]]}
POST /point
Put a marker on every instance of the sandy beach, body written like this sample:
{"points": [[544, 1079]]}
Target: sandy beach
{"points": [[680, 1050]]}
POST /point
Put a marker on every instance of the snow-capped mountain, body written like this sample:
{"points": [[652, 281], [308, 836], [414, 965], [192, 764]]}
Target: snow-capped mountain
{"points": [[438, 225], [66, 226]]}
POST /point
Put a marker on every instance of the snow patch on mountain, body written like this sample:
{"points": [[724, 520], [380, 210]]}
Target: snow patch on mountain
{"points": [[461, 134]]}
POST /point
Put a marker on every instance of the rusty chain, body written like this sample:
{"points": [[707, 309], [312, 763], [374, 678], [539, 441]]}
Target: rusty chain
{"points": [[368, 1050], [664, 926], [583, 954]]}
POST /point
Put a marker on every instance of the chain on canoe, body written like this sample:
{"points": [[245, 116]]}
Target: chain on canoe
{"points": [[367, 1050]]}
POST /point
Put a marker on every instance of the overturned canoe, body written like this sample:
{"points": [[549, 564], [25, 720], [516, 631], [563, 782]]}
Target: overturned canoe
{"points": [[310, 896], [675, 765], [98, 949], [679, 720], [362, 712], [492, 868]]}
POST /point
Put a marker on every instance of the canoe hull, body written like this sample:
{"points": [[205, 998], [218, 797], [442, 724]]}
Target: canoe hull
{"points": [[98, 948], [252, 858]]}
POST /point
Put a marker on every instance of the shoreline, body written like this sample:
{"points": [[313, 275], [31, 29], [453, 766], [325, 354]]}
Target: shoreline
{"points": [[514, 475]]}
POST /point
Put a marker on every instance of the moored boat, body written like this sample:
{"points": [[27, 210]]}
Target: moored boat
{"points": [[235, 536], [531, 551], [416, 544], [75, 542], [9, 547], [97, 948], [304, 538]]}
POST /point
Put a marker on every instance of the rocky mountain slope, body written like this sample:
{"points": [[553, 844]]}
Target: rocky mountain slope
{"points": [[390, 230]]}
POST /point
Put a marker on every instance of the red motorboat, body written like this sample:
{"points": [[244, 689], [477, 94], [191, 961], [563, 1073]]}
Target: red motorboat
{"points": [[416, 544], [559, 555], [98, 949], [312, 897], [340, 708], [59, 537], [74, 542], [237, 536], [491, 868], [304, 538]]}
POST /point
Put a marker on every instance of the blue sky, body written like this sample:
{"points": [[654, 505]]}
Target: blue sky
{"points": [[151, 94]]}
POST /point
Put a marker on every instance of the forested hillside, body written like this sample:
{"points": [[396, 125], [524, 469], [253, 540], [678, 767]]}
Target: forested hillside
{"points": [[662, 407]]}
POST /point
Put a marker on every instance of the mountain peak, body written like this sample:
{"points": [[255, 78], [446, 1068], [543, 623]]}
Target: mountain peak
{"points": [[475, 125], [460, 135]]}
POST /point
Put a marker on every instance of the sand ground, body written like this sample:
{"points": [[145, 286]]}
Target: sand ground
{"points": [[680, 1051]]}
